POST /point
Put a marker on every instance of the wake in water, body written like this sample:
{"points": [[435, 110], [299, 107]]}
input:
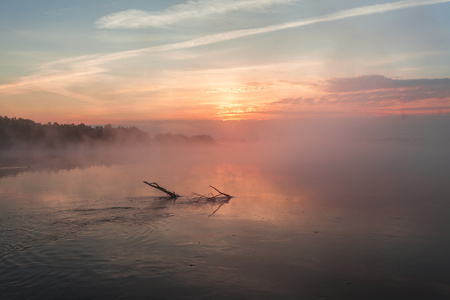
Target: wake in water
{"points": [[26, 230]]}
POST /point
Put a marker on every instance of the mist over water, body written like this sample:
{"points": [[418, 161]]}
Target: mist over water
{"points": [[329, 209]]}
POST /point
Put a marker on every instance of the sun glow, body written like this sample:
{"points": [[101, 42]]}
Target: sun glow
{"points": [[215, 69]]}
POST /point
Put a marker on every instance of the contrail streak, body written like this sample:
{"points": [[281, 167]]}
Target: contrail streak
{"points": [[231, 35]]}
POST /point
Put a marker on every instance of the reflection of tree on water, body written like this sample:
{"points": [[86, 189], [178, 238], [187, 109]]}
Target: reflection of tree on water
{"points": [[52, 163], [55, 160], [12, 171]]}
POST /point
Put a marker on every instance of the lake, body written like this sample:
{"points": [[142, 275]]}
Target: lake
{"points": [[364, 220]]}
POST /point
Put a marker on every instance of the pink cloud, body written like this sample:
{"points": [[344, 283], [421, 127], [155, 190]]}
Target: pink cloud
{"points": [[368, 93], [439, 87]]}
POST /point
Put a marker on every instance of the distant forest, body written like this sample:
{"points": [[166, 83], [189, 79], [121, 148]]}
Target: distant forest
{"points": [[24, 133]]}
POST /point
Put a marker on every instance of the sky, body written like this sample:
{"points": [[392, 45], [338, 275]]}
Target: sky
{"points": [[105, 61]]}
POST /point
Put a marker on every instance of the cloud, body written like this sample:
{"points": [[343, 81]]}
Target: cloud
{"points": [[293, 101], [65, 70], [377, 90], [231, 35], [134, 18], [379, 82], [247, 88], [373, 92]]}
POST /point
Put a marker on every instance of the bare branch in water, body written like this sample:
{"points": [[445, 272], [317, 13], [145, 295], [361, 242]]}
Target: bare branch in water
{"points": [[221, 198], [156, 186], [220, 193]]}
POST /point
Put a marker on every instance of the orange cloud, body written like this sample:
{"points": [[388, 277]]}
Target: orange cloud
{"points": [[373, 94]]}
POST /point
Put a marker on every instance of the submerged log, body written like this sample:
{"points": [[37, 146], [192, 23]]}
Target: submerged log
{"points": [[156, 186]]}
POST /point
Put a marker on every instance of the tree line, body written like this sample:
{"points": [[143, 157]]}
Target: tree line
{"points": [[18, 132], [27, 134]]}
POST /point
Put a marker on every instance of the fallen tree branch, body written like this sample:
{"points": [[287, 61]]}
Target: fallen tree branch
{"points": [[220, 193], [156, 186], [221, 198]]}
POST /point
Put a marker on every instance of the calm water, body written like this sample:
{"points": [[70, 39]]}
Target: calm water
{"points": [[367, 221]]}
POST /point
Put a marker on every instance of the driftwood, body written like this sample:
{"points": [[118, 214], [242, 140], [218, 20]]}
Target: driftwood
{"points": [[211, 197], [221, 198], [220, 193], [172, 195]]}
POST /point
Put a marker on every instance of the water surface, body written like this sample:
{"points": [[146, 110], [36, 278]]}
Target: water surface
{"points": [[369, 221]]}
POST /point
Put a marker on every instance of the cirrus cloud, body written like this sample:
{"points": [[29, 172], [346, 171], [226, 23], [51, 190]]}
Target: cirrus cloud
{"points": [[134, 18]]}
